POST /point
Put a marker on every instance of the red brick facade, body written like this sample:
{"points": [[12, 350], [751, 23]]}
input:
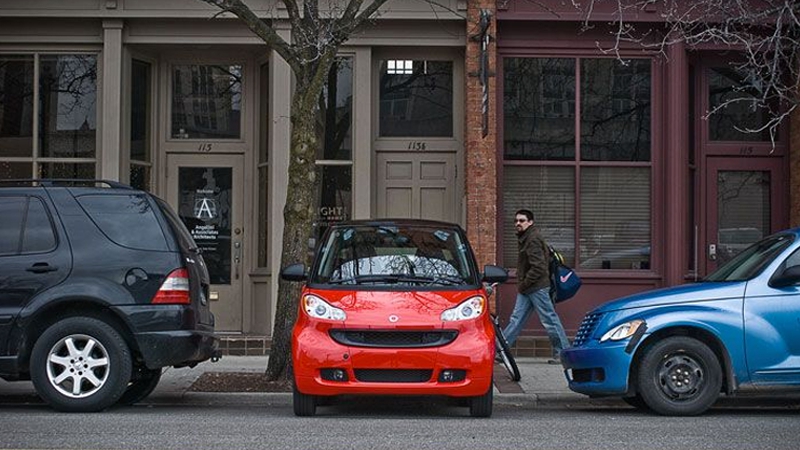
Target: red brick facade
{"points": [[481, 152]]}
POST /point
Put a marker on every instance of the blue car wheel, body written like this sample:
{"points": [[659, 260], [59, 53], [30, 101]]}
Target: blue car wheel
{"points": [[679, 376]]}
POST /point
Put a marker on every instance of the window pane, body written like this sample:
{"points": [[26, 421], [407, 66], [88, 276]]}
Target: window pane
{"points": [[550, 193], [729, 85], [539, 108], [140, 177], [11, 210], [128, 220], [67, 106], [15, 170], [336, 112], [743, 211], [263, 215], [336, 196], [66, 170], [140, 111], [39, 236], [263, 121], [206, 102], [615, 110], [615, 218], [16, 106], [416, 98]]}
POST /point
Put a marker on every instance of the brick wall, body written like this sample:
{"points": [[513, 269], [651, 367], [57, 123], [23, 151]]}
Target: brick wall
{"points": [[481, 154]]}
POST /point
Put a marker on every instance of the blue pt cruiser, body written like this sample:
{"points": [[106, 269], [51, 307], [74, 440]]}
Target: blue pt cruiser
{"points": [[674, 350]]}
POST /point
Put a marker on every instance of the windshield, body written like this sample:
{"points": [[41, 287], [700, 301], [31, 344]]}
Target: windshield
{"points": [[752, 260], [391, 255]]}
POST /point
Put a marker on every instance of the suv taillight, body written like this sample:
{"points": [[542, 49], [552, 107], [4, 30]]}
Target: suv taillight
{"points": [[175, 289]]}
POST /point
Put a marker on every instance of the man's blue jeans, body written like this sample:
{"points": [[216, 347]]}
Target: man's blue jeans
{"points": [[540, 301]]}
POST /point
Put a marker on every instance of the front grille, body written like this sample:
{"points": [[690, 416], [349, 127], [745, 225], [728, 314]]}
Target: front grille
{"points": [[393, 338], [393, 375], [586, 329]]}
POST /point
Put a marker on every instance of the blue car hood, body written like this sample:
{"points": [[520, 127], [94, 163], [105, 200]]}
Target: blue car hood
{"points": [[687, 293]]}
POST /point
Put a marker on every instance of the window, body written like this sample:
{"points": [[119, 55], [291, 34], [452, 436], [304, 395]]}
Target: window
{"points": [[206, 102], [731, 93], [263, 171], [416, 98], [66, 115], [589, 185], [128, 220], [141, 157], [335, 160], [26, 226]]}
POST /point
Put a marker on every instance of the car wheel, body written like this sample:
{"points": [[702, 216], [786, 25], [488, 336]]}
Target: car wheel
{"points": [[80, 364], [481, 406], [142, 384], [304, 405], [679, 376]]}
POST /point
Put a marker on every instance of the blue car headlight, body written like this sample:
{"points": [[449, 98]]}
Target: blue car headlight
{"points": [[622, 331]]}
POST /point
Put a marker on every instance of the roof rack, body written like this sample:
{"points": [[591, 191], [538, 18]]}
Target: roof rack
{"points": [[52, 182]]}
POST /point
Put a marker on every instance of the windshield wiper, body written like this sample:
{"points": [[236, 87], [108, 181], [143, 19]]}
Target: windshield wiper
{"points": [[358, 279]]}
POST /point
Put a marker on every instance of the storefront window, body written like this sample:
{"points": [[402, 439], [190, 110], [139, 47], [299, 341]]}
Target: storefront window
{"points": [[140, 157], [611, 196], [334, 161], [206, 102], [263, 169], [66, 112], [416, 98]]}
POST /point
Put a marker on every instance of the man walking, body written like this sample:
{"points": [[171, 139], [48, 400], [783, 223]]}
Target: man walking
{"points": [[533, 286]]}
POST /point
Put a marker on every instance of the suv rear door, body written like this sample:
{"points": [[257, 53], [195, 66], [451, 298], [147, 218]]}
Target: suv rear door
{"points": [[32, 255]]}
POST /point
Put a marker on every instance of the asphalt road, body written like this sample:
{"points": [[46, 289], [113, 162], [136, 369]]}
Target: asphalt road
{"points": [[246, 421]]}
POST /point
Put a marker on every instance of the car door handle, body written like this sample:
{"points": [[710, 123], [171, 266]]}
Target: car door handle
{"points": [[41, 268]]}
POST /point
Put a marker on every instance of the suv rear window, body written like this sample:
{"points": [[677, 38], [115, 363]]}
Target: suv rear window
{"points": [[128, 220]]}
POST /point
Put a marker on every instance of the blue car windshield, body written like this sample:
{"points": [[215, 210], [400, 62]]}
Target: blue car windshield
{"points": [[394, 255], [752, 260]]}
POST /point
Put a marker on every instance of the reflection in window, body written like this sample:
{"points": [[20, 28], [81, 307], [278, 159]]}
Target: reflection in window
{"points": [[416, 101], [206, 102], [66, 112], [615, 110], [67, 106], [140, 158], [731, 91], [615, 218], [612, 201], [335, 194], [743, 211], [539, 108], [16, 106]]}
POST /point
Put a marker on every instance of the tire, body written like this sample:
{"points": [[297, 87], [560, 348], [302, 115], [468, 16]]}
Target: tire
{"points": [[481, 406], [502, 349], [304, 405], [142, 384], [636, 401], [679, 376], [85, 346]]}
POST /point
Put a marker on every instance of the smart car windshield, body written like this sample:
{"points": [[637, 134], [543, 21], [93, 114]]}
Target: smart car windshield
{"points": [[752, 260], [394, 255]]}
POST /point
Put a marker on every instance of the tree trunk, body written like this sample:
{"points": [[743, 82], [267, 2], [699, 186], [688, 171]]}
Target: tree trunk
{"points": [[298, 213]]}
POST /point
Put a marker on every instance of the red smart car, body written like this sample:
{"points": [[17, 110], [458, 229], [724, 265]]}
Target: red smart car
{"points": [[393, 307]]}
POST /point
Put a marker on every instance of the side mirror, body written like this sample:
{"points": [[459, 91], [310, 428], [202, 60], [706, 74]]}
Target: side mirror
{"points": [[786, 277], [295, 272], [494, 274]]}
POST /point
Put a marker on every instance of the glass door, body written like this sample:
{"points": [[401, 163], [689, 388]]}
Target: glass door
{"points": [[206, 191]]}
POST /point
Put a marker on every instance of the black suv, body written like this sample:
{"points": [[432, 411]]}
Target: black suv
{"points": [[101, 286]]}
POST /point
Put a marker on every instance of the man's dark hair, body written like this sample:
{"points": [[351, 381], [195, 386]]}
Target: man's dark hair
{"points": [[525, 212]]}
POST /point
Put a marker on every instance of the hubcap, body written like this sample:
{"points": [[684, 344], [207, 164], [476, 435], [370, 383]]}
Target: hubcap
{"points": [[77, 366], [680, 377]]}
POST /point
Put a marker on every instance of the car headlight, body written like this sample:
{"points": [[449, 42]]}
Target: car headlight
{"points": [[465, 310], [622, 331], [320, 309]]}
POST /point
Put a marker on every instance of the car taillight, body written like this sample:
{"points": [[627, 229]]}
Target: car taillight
{"points": [[175, 289]]}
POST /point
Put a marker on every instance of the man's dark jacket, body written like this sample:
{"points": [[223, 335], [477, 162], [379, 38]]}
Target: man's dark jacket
{"points": [[532, 264]]}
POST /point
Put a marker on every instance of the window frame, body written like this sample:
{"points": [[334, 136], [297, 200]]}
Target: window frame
{"points": [[657, 115]]}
